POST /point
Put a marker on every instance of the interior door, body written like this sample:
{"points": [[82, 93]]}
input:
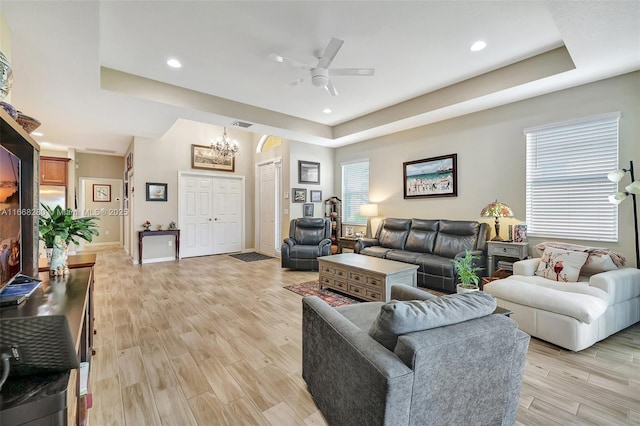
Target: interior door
{"points": [[266, 209], [196, 202], [226, 215], [211, 217]]}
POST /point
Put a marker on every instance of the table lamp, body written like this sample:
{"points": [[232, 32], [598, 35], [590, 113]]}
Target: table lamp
{"points": [[497, 209], [369, 211]]}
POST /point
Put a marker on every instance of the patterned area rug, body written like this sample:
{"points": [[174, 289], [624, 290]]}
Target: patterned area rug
{"points": [[312, 288], [251, 257]]}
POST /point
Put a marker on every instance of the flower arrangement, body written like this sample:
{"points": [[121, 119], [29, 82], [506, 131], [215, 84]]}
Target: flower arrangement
{"points": [[146, 225]]}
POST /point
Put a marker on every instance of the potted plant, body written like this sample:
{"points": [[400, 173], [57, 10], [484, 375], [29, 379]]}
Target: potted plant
{"points": [[466, 270], [59, 221]]}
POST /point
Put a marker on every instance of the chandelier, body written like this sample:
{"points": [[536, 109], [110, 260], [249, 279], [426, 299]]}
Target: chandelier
{"points": [[224, 146]]}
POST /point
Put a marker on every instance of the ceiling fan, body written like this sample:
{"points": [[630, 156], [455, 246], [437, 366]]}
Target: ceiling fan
{"points": [[321, 72]]}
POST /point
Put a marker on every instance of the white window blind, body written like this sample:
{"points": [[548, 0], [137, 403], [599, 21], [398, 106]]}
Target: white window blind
{"points": [[355, 191], [567, 185]]}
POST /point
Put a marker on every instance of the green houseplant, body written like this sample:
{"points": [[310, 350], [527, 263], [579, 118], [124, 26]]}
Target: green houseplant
{"points": [[59, 221], [466, 270]]}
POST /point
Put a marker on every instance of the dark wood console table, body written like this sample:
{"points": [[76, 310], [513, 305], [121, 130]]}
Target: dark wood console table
{"points": [[53, 399], [142, 234]]}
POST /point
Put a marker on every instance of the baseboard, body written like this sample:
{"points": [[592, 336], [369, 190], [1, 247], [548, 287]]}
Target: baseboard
{"points": [[156, 260]]}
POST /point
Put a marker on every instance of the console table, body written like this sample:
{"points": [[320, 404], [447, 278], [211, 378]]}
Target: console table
{"points": [[142, 234], [52, 399]]}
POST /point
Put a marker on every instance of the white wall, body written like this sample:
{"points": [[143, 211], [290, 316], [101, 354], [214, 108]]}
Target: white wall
{"points": [[491, 155]]}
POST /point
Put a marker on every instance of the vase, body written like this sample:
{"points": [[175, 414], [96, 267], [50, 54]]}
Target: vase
{"points": [[58, 264], [6, 76]]}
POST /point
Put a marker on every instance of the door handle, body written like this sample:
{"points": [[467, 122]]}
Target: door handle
{"points": [[215, 218], [209, 219]]}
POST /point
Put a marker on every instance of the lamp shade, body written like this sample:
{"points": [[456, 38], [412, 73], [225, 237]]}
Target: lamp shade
{"points": [[616, 176], [617, 198], [369, 210], [496, 209], [634, 188]]}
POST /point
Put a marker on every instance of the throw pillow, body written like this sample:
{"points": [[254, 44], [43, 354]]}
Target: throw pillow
{"points": [[561, 265], [396, 318]]}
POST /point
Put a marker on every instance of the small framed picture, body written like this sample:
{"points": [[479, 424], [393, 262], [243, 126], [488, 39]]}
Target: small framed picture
{"points": [[299, 195], [101, 193], [156, 191], [349, 231], [316, 196], [307, 210], [308, 172]]}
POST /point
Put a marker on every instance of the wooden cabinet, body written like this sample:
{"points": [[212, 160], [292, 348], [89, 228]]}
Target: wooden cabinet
{"points": [[53, 171]]}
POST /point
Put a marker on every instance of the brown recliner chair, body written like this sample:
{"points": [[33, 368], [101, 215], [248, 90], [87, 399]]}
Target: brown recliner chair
{"points": [[309, 238]]}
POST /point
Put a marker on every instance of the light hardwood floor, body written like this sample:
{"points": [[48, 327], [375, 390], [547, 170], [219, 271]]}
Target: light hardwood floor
{"points": [[215, 341]]}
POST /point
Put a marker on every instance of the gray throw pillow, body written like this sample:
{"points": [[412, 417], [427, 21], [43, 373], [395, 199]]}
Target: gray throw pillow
{"points": [[396, 318]]}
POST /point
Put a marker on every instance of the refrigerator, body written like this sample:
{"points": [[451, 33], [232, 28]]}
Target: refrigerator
{"points": [[53, 195]]}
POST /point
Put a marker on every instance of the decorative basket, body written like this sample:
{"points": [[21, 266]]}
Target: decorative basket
{"points": [[29, 124]]}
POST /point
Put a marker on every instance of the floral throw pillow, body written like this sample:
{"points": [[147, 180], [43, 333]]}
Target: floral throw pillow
{"points": [[561, 265]]}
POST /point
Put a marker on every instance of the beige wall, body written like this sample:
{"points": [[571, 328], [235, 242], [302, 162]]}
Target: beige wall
{"points": [[110, 213], [324, 156], [491, 154], [159, 160]]}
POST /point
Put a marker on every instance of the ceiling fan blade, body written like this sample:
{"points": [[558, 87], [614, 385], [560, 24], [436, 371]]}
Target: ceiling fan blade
{"points": [[330, 52], [282, 59], [298, 81], [331, 89], [352, 71]]}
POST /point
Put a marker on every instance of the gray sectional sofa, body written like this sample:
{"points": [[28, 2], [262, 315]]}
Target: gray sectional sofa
{"points": [[430, 244]]}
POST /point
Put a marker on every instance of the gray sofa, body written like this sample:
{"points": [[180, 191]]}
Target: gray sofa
{"points": [[467, 372], [430, 244]]}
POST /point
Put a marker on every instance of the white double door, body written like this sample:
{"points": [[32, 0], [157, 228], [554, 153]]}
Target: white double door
{"points": [[211, 217]]}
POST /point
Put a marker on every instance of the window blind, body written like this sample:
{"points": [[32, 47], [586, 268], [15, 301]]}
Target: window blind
{"points": [[567, 185], [355, 191]]}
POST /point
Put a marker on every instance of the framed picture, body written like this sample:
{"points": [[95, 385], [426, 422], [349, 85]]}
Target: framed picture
{"points": [[101, 193], [202, 157], [299, 195], [307, 210], [315, 196], [431, 177], [130, 161], [156, 191], [308, 172], [349, 231]]}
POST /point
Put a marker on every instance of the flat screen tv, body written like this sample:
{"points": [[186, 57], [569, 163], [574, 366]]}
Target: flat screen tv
{"points": [[10, 220]]}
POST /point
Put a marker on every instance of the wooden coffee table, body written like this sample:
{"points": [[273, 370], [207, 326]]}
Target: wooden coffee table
{"points": [[365, 277]]}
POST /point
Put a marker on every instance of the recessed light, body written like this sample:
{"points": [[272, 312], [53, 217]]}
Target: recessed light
{"points": [[478, 45], [37, 134], [174, 63], [45, 143], [327, 110]]}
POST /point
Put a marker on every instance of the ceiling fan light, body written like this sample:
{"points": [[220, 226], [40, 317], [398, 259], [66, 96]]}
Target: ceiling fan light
{"points": [[616, 176], [320, 80], [617, 198], [634, 188]]}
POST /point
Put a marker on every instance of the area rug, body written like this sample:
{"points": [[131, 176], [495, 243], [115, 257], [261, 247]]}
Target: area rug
{"points": [[251, 257], [312, 288]]}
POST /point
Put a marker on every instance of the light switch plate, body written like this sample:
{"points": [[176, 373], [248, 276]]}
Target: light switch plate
{"points": [[286, 195]]}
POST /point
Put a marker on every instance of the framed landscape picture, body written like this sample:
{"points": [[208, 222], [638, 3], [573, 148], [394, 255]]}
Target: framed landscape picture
{"points": [[203, 157], [431, 177], [156, 191], [308, 172]]}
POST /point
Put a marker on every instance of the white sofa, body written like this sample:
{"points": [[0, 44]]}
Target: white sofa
{"points": [[573, 315]]}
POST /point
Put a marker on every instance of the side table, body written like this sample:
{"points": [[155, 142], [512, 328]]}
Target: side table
{"points": [[346, 242], [518, 251]]}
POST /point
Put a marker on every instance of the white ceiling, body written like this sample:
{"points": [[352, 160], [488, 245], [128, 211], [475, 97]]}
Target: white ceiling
{"points": [[416, 47]]}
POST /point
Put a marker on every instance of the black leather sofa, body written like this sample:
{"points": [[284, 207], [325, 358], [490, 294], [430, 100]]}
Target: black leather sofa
{"points": [[309, 238], [430, 244]]}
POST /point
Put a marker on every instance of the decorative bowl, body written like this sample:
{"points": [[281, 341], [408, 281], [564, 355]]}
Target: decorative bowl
{"points": [[11, 110], [29, 124]]}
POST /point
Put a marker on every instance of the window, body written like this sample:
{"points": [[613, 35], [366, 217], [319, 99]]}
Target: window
{"points": [[567, 185], [355, 191]]}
